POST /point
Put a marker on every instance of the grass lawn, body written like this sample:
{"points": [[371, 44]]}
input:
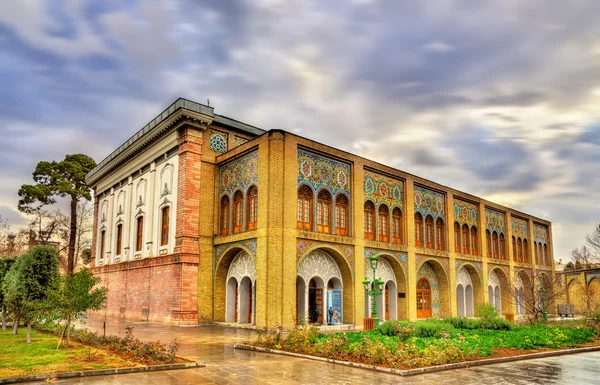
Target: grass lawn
{"points": [[425, 343], [18, 358]]}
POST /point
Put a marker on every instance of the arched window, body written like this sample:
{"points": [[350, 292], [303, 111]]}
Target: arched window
{"points": [[164, 221], [369, 220], [224, 217], [384, 223], [102, 243], [238, 218], [252, 208], [456, 237], [305, 207], [341, 215], [502, 247], [495, 245], [515, 252], [525, 251], [439, 234], [429, 232], [139, 235], [546, 260], [474, 240], [396, 225], [537, 253], [488, 243], [324, 212], [465, 239], [519, 250], [119, 239], [418, 229]]}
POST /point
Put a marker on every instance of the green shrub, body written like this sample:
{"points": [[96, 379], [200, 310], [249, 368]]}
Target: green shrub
{"points": [[463, 322], [402, 329], [436, 329]]}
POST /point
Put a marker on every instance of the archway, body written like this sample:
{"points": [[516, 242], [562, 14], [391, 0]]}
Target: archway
{"points": [[424, 305], [232, 300], [386, 302], [593, 294], [241, 277], [464, 293], [440, 296], [498, 290], [300, 300], [523, 292], [460, 300]]}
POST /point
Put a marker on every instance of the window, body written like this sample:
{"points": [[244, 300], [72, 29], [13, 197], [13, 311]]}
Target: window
{"points": [[164, 233], [429, 232], [514, 251], [252, 207], [474, 240], [488, 243], [439, 234], [384, 223], [102, 243], [418, 229], [495, 245], [139, 237], [502, 247], [456, 237], [546, 259], [224, 215], [465, 239], [519, 250], [525, 251], [396, 225], [119, 239], [537, 253], [238, 203], [369, 220], [324, 212], [305, 207], [341, 215]]}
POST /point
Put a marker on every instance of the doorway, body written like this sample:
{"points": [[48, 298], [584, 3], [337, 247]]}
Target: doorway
{"points": [[315, 303], [423, 298]]}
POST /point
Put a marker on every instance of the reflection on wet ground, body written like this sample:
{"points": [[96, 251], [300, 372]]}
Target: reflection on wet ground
{"points": [[214, 345]]}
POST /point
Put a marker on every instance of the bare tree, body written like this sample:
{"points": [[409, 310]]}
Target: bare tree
{"points": [[589, 296], [85, 219], [583, 257], [538, 294], [593, 241]]}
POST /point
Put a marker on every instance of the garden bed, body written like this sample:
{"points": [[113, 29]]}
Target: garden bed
{"points": [[409, 345]]}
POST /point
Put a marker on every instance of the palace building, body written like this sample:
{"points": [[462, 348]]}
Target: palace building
{"points": [[201, 218]]}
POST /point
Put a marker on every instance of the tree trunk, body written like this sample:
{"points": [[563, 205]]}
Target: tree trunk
{"points": [[3, 318], [72, 237], [28, 339], [16, 325], [68, 330]]}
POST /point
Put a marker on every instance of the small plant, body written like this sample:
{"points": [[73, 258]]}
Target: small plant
{"points": [[436, 329], [487, 314]]}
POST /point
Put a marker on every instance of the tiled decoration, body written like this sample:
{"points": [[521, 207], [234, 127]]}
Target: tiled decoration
{"points": [[428, 202], [218, 141], [400, 257], [421, 259], [238, 141], [427, 271], [318, 171], [477, 265], [465, 213], [540, 233], [240, 173], [249, 246], [519, 228], [381, 189], [495, 221], [305, 246]]}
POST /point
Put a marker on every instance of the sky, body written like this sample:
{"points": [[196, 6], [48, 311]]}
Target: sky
{"points": [[497, 99]]}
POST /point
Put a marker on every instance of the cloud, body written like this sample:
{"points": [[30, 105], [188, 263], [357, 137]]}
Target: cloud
{"points": [[437, 47]]}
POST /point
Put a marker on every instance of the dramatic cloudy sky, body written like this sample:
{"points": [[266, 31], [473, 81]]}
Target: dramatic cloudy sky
{"points": [[499, 100]]}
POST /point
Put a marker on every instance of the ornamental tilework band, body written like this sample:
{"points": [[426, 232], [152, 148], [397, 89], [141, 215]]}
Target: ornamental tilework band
{"points": [[426, 271], [218, 141], [519, 228], [540, 233], [220, 250], [421, 259], [465, 213], [381, 189], [460, 264], [401, 258], [429, 202], [494, 221], [318, 171], [305, 246], [240, 173], [238, 141]]}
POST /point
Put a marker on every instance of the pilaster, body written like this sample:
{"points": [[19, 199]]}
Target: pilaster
{"points": [[451, 252], [411, 290]]}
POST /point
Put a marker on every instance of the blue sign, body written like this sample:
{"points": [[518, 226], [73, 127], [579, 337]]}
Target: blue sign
{"points": [[334, 307]]}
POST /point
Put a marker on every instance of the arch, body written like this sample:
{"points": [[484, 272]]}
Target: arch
{"points": [[488, 242], [305, 208], [369, 220], [396, 225], [502, 246], [465, 240], [474, 240], [166, 179], [240, 304], [418, 229], [465, 293], [224, 215], [252, 208], [383, 214], [301, 300], [140, 192], [525, 251], [514, 250], [546, 261], [104, 211], [429, 232], [440, 296], [519, 250], [399, 306], [536, 252], [386, 273], [495, 245], [324, 211], [225, 270], [440, 234], [460, 300], [246, 301], [593, 294], [469, 301], [574, 296], [457, 238], [121, 202], [498, 290], [232, 300], [341, 214], [238, 211]]}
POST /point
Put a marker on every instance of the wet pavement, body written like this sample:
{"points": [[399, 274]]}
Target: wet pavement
{"points": [[225, 365]]}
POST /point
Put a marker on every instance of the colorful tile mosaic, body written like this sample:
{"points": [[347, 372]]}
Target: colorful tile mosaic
{"points": [[240, 173], [495, 221], [238, 141], [400, 257], [218, 141], [427, 271], [381, 189], [465, 213], [477, 265], [306, 246], [318, 171], [540, 233], [420, 259], [220, 250], [429, 202], [519, 228]]}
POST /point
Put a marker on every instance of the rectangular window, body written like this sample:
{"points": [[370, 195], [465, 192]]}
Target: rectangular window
{"points": [[252, 203], [119, 239], [140, 234], [340, 220], [164, 235], [237, 216], [396, 229], [369, 231], [383, 228], [323, 216]]}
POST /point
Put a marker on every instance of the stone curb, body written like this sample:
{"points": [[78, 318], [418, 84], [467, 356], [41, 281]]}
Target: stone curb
{"points": [[428, 369], [102, 372]]}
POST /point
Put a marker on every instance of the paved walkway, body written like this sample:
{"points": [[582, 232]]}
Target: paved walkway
{"points": [[224, 365]]}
